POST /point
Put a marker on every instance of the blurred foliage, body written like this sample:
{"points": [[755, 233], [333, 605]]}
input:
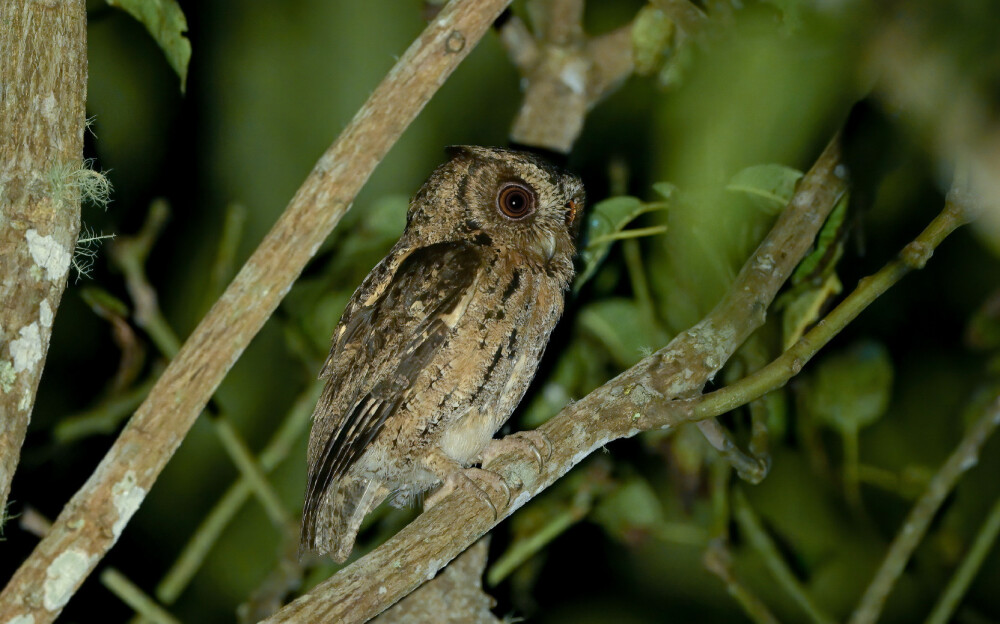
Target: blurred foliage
{"points": [[165, 22], [686, 167]]}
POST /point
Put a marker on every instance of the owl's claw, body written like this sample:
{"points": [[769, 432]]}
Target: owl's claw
{"points": [[480, 480], [533, 443]]}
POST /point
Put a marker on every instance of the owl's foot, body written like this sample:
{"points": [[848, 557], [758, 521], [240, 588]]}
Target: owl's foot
{"points": [[453, 475], [534, 444], [482, 482]]}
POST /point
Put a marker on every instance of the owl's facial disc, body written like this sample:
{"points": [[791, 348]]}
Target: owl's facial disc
{"points": [[519, 201]]}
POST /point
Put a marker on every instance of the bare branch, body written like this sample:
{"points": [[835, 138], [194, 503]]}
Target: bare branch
{"points": [[611, 54], [43, 86], [92, 521], [519, 43], [565, 72], [560, 21], [638, 399]]}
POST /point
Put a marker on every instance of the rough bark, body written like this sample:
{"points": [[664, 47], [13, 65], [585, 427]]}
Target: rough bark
{"points": [[455, 596], [43, 89]]}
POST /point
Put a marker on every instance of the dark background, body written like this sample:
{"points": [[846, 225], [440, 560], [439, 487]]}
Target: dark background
{"points": [[270, 86]]}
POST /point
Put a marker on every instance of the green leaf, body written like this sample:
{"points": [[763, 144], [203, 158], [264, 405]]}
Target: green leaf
{"points": [[769, 187], [791, 13], [622, 328], [829, 246], [666, 190], [851, 389], [629, 512], [165, 21], [103, 303], [652, 33], [374, 231], [604, 226], [678, 65], [804, 308]]}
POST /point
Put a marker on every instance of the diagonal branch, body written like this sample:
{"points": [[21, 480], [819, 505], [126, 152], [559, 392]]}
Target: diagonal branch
{"points": [[43, 86], [637, 400], [964, 457], [91, 522]]}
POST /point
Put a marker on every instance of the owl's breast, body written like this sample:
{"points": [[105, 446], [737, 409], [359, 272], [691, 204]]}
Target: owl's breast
{"points": [[492, 356]]}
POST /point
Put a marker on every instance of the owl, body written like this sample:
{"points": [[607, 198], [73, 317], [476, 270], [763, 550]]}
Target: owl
{"points": [[439, 343]]}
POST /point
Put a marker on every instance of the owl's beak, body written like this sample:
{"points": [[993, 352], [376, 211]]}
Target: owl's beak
{"points": [[549, 246]]}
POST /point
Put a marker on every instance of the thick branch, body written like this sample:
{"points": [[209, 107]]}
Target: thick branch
{"points": [[638, 399], [43, 87], [92, 521]]}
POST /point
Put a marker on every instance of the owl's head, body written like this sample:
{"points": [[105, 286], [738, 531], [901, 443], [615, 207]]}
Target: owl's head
{"points": [[512, 201]]}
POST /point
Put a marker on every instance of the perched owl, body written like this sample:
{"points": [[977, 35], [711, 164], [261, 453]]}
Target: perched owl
{"points": [[437, 346]]}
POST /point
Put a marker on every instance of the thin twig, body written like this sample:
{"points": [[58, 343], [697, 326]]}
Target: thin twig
{"points": [[92, 521], [966, 572], [717, 560], [224, 264], [752, 529], [104, 417], [134, 597], [627, 234], [638, 399], [130, 255], [912, 532], [749, 468], [253, 473]]}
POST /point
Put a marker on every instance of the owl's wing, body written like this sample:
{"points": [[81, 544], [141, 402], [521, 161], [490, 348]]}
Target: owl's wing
{"points": [[384, 346]]}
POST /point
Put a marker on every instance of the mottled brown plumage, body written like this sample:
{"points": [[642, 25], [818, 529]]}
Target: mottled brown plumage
{"points": [[437, 346]]}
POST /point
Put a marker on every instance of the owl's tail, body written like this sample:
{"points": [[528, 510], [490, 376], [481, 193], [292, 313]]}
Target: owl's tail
{"points": [[333, 524]]}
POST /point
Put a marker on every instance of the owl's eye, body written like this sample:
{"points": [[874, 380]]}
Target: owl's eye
{"points": [[516, 200]]}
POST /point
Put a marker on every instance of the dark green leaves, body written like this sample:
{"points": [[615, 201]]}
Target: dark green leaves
{"points": [[768, 186], [850, 390]]}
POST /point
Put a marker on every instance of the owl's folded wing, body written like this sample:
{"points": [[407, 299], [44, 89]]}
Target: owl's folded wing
{"points": [[380, 349]]}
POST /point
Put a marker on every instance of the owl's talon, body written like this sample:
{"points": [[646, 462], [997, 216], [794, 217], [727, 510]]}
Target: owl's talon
{"points": [[479, 477], [480, 480], [534, 443]]}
